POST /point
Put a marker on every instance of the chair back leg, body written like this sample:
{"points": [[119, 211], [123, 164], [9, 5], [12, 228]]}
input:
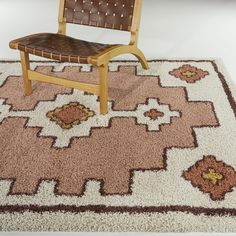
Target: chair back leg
{"points": [[25, 64], [138, 53], [103, 89]]}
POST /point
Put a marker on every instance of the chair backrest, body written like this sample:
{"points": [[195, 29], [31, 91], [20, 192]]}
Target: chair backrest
{"points": [[112, 14]]}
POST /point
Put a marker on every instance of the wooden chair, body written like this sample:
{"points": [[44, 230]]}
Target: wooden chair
{"points": [[112, 14]]}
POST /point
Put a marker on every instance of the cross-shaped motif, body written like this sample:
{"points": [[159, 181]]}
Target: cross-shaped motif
{"points": [[212, 176], [188, 73]]}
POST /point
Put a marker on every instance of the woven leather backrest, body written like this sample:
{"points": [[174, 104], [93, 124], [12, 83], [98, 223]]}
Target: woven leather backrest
{"points": [[113, 14]]}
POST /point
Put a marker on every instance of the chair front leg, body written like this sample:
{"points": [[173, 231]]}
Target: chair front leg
{"points": [[25, 64], [104, 89]]}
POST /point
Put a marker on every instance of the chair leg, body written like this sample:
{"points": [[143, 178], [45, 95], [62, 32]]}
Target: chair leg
{"points": [[104, 89], [25, 64], [141, 58]]}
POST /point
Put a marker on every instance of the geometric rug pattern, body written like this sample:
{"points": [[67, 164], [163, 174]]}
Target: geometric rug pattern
{"points": [[163, 158]]}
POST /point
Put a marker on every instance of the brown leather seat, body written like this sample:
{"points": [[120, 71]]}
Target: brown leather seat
{"points": [[59, 47]]}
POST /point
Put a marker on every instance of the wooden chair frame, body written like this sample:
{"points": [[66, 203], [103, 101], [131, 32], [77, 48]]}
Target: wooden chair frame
{"points": [[101, 60]]}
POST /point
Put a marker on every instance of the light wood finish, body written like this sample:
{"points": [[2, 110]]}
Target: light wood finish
{"points": [[104, 89], [106, 56], [101, 60], [25, 67], [61, 19], [91, 88], [136, 23], [62, 28]]}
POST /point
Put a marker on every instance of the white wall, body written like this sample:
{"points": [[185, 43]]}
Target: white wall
{"points": [[170, 28]]}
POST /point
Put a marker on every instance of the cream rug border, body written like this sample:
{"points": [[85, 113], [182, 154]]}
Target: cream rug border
{"points": [[116, 222]]}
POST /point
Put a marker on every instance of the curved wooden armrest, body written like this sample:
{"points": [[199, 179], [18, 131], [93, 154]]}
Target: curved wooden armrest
{"points": [[104, 57]]}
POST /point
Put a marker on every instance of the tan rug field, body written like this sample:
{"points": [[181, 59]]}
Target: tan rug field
{"points": [[163, 159]]}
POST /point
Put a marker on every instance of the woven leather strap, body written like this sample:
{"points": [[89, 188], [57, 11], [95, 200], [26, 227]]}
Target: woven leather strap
{"points": [[59, 47], [113, 14]]}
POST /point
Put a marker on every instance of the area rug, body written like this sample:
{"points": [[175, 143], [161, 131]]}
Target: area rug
{"points": [[163, 159]]}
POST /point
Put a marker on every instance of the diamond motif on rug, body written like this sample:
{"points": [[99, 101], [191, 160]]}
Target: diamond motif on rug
{"points": [[70, 115], [189, 73], [212, 176], [154, 115], [65, 118]]}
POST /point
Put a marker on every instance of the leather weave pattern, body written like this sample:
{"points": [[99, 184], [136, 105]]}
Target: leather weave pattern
{"points": [[60, 47], [113, 14]]}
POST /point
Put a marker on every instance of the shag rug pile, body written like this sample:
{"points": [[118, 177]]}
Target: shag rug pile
{"points": [[163, 159]]}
